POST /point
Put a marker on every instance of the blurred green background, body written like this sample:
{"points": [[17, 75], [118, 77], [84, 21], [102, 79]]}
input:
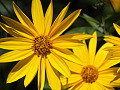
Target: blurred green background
{"points": [[95, 16]]}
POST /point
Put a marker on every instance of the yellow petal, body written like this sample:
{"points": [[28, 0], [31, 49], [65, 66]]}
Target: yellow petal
{"points": [[57, 62], [19, 70], [72, 79], [23, 18], [60, 17], [48, 18], [18, 26], [32, 70], [92, 47], [82, 52], [117, 28], [73, 66], [101, 55], [107, 76], [15, 43], [15, 56], [14, 32], [67, 54], [108, 63], [67, 43], [97, 86], [65, 24], [41, 74], [78, 86], [38, 15], [112, 39], [74, 36], [53, 79], [84, 86]]}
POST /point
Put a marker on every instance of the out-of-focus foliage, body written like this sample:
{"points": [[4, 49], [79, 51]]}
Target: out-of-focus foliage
{"points": [[95, 16]]}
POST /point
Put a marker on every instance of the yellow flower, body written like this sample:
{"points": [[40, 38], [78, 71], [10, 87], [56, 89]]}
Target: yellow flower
{"points": [[39, 46], [114, 50], [95, 73], [115, 4]]}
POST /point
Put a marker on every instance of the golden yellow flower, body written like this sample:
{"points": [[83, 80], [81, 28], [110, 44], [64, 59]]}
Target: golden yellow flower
{"points": [[39, 46], [115, 4], [95, 73]]}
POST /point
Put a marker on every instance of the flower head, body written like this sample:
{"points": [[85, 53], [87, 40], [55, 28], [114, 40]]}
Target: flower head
{"points": [[95, 73], [39, 46]]}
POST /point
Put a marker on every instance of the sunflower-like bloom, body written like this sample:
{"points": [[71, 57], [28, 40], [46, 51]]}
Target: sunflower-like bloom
{"points": [[39, 46], [95, 73]]}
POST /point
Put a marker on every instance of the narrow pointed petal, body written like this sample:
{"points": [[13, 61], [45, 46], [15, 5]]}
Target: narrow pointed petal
{"points": [[92, 47], [58, 63], [14, 32], [53, 79], [18, 26], [32, 70], [73, 66], [38, 16], [68, 55], [60, 17], [101, 55], [48, 18], [117, 28], [112, 39], [97, 86], [15, 56], [19, 70], [107, 76], [82, 52], [67, 43], [109, 63], [23, 18], [74, 36], [41, 74], [13, 43], [65, 24], [72, 79]]}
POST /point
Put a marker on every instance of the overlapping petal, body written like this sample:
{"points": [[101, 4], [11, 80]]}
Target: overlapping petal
{"points": [[59, 17], [24, 19], [48, 18], [19, 70], [15, 56], [32, 70], [64, 24], [18, 26], [41, 74], [92, 48], [12, 43], [57, 62], [38, 16], [53, 79]]}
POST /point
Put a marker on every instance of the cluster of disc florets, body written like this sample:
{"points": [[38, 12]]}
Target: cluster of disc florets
{"points": [[41, 45]]}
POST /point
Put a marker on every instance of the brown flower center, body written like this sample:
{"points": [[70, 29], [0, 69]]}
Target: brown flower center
{"points": [[89, 74], [42, 45]]}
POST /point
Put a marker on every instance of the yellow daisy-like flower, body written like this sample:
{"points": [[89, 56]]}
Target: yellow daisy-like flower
{"points": [[39, 46], [95, 73]]}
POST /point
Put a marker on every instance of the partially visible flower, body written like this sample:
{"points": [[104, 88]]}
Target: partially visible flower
{"points": [[39, 46], [115, 4], [95, 73], [114, 51]]}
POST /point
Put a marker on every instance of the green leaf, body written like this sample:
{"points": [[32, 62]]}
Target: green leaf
{"points": [[87, 30], [93, 22]]}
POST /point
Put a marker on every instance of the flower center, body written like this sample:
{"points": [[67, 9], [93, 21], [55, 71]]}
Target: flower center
{"points": [[42, 45], [89, 74]]}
